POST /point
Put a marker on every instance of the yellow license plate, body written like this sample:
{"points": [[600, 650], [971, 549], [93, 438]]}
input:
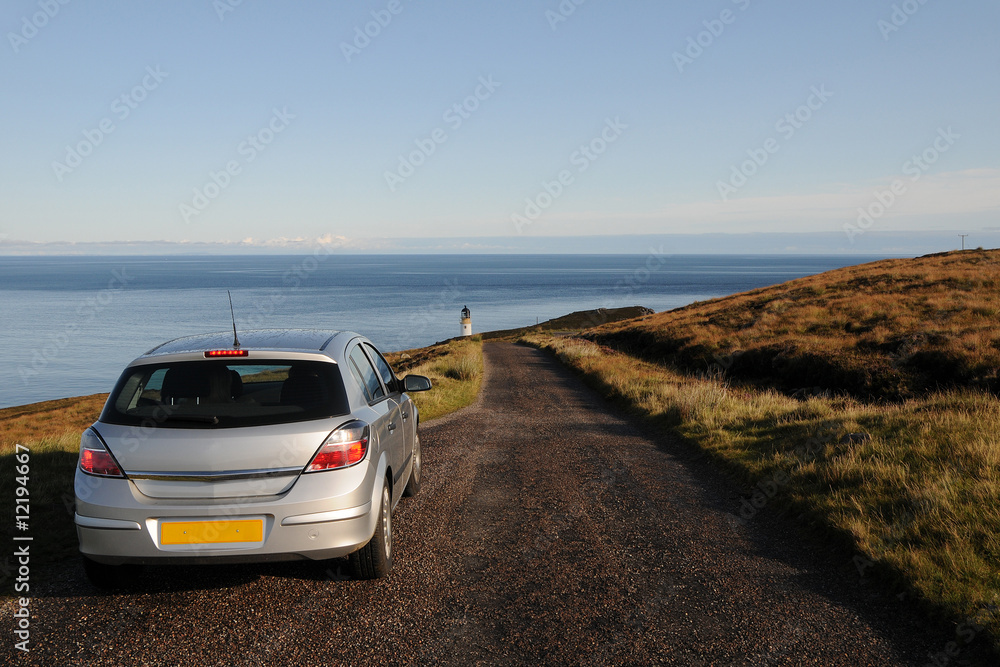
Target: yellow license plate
{"points": [[222, 531]]}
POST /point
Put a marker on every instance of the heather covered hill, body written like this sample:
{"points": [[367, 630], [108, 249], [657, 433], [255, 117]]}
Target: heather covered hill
{"points": [[890, 329], [887, 445]]}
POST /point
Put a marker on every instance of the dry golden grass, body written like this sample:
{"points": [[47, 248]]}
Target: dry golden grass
{"points": [[911, 479], [455, 369], [51, 431], [49, 421], [577, 321], [889, 330], [918, 497]]}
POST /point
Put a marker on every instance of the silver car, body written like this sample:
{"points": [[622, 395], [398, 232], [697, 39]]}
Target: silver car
{"points": [[282, 445]]}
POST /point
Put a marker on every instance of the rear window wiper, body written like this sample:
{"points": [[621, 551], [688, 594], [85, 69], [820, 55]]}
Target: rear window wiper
{"points": [[201, 419]]}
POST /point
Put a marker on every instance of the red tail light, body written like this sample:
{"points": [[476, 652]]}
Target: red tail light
{"points": [[95, 459], [342, 448], [226, 353]]}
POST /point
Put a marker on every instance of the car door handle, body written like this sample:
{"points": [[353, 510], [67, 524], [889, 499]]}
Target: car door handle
{"points": [[392, 426], [406, 415]]}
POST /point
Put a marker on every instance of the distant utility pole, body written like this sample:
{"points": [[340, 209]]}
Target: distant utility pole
{"points": [[963, 240]]}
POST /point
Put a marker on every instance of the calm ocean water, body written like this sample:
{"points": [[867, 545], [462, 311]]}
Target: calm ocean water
{"points": [[70, 324]]}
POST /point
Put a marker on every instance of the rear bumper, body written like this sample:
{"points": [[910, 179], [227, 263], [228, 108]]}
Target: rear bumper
{"points": [[116, 524], [312, 541]]}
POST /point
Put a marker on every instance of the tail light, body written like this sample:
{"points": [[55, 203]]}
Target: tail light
{"points": [[95, 459], [342, 448]]}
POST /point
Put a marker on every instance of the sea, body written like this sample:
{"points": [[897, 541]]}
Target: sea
{"points": [[70, 324]]}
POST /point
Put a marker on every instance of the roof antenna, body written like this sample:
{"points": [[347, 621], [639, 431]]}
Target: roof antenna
{"points": [[236, 340]]}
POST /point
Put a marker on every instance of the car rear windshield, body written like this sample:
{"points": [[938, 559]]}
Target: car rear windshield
{"points": [[226, 394]]}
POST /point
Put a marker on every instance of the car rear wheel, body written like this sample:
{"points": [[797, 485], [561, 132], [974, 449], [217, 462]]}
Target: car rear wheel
{"points": [[413, 486], [374, 560], [109, 577]]}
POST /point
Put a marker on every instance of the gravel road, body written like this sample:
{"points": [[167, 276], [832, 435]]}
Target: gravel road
{"points": [[548, 531]]}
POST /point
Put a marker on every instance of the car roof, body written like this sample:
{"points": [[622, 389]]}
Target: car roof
{"points": [[286, 340]]}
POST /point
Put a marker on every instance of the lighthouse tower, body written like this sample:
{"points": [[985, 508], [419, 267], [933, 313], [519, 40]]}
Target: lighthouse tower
{"points": [[466, 321]]}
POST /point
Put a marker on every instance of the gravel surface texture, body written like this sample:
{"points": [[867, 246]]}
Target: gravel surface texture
{"points": [[549, 530]]}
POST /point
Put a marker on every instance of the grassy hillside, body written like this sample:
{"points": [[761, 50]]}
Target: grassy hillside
{"points": [[455, 369], [888, 330], [865, 404], [51, 430], [574, 322]]}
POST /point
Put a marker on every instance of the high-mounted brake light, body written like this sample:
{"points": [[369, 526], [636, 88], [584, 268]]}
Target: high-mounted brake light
{"points": [[227, 353], [95, 459], [342, 448]]}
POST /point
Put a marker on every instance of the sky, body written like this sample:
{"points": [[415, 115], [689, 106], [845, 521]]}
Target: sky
{"points": [[255, 125]]}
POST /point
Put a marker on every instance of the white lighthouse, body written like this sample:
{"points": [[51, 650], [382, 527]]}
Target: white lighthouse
{"points": [[466, 321]]}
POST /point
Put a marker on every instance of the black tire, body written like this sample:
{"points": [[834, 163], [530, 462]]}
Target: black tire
{"points": [[109, 577], [374, 560], [413, 486]]}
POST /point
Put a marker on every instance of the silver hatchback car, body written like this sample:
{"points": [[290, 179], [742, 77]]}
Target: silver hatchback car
{"points": [[284, 445]]}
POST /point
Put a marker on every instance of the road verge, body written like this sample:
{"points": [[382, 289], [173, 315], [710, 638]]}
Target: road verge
{"points": [[908, 491]]}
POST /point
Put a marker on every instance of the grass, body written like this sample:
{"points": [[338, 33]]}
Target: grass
{"points": [[862, 400], [912, 488], [51, 431], [455, 369], [574, 322], [889, 330]]}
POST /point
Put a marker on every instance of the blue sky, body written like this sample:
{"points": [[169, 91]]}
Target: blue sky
{"points": [[304, 124]]}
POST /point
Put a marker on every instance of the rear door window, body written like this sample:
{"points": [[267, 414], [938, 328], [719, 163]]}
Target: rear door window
{"points": [[369, 379], [388, 379], [356, 374]]}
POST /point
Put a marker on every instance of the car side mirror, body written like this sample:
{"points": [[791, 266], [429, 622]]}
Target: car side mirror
{"points": [[416, 383]]}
